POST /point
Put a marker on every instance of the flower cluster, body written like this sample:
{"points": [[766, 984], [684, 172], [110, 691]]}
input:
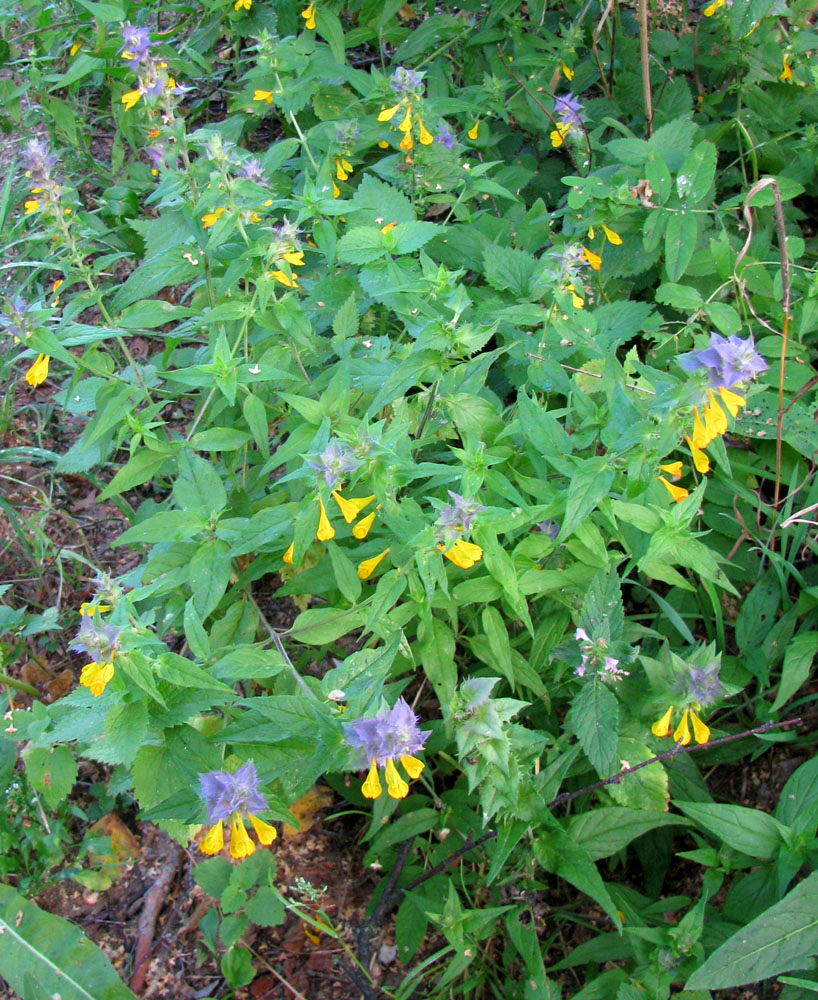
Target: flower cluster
{"points": [[152, 75], [407, 86], [453, 521], [101, 642], [596, 660], [568, 111], [393, 735], [232, 797], [697, 689], [728, 361]]}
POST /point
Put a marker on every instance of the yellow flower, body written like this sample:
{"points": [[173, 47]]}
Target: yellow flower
{"points": [[682, 732], [406, 124], [240, 844], [371, 788], [567, 72], [732, 401], [614, 238], [352, 507], [579, 302], [426, 137], [397, 787], [463, 554], [701, 438], [711, 9], [673, 469], [715, 419], [95, 676], [214, 841], [263, 95], [343, 168], [308, 13], [90, 608], [336, 191], [38, 372], [75, 48], [211, 218], [368, 566], [786, 72], [387, 114], [131, 98], [412, 766], [361, 529], [559, 133], [294, 257], [266, 834], [701, 732], [472, 133], [31, 206], [662, 727], [325, 529], [247, 4], [285, 279], [383, 144], [700, 459], [678, 493], [288, 555], [592, 258], [406, 142]]}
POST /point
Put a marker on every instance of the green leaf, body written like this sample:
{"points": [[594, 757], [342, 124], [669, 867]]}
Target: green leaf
{"points": [[724, 317], [602, 832], [255, 413], [166, 526], [213, 875], [746, 14], [219, 439], [126, 727], [65, 962], [361, 245], [410, 236], [784, 937], [506, 268], [52, 772], [144, 465], [265, 908], [317, 626], [345, 321], [237, 965], [658, 176], [747, 830], [682, 297], [195, 633], [796, 670], [589, 484], [346, 576], [680, 242], [696, 174], [185, 673], [557, 853], [328, 26], [595, 718], [209, 575]]}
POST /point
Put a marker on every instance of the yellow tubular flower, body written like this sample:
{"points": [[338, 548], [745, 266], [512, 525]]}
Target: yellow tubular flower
{"points": [[383, 144], [368, 566], [701, 437], [426, 137], [95, 676], [285, 279], [263, 95], [295, 258], [308, 13], [579, 302], [387, 114], [568, 73], [472, 133], [240, 844], [371, 788], [325, 529], [388, 227], [336, 191], [406, 124], [89, 608], [613, 238], [559, 133], [682, 731], [406, 142], [361, 529], [715, 419], [247, 4], [214, 841], [732, 401], [700, 459], [395, 785], [211, 218], [76, 47], [351, 508], [593, 258], [700, 731], [463, 554], [412, 766], [678, 493], [288, 555], [673, 469], [662, 727], [131, 99], [31, 206], [786, 72], [266, 834], [340, 173], [38, 372]]}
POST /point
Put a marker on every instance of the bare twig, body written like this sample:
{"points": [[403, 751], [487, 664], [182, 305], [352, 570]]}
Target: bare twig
{"points": [[154, 901], [644, 49]]}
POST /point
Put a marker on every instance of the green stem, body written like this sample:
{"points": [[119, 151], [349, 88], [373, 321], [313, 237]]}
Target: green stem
{"points": [[19, 686]]}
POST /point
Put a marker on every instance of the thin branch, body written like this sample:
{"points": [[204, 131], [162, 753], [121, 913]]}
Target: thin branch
{"points": [[279, 645], [644, 50]]}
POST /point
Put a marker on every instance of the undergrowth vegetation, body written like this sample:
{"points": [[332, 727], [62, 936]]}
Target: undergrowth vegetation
{"points": [[453, 367]]}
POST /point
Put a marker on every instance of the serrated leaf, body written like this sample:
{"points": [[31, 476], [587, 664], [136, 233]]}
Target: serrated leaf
{"points": [[345, 321], [796, 670], [52, 772], [213, 875], [361, 245], [509, 269], [589, 484], [126, 727], [680, 243], [265, 908], [696, 174], [595, 718], [784, 937]]}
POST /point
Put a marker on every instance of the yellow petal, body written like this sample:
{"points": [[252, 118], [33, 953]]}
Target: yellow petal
{"points": [[325, 529], [662, 727], [31, 206], [412, 766], [336, 191], [700, 459], [214, 841], [786, 72], [700, 731], [715, 419], [288, 555], [131, 98], [295, 258], [406, 142], [368, 566], [592, 258], [614, 238], [406, 124], [678, 493], [578, 300], [75, 48], [211, 218], [240, 844], [463, 554], [568, 73], [308, 13], [395, 785], [426, 137], [472, 133], [388, 227], [340, 173], [263, 95], [387, 114], [732, 401], [371, 788], [701, 438], [361, 529], [89, 608], [673, 469], [682, 731], [383, 144], [352, 507], [95, 676], [559, 133], [285, 279], [266, 834], [38, 372]]}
